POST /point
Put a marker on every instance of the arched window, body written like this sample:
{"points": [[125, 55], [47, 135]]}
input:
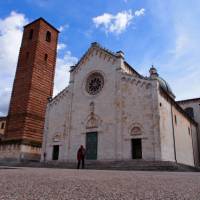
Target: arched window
{"points": [[136, 130], [48, 36], [31, 34], [190, 111]]}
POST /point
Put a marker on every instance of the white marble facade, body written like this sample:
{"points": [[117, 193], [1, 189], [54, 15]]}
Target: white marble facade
{"points": [[127, 112]]}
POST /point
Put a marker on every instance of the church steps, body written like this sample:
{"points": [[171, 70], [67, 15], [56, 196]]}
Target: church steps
{"points": [[132, 165]]}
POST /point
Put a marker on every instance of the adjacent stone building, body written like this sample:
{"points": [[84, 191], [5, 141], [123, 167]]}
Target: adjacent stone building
{"points": [[33, 85], [192, 108], [2, 127], [117, 114]]}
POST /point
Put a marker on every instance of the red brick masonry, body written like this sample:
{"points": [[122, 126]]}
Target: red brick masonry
{"points": [[33, 83]]}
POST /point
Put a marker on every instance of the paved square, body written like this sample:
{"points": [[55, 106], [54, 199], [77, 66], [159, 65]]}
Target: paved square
{"points": [[51, 184]]}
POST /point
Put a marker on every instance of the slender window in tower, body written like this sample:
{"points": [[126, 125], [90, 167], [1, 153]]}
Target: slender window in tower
{"points": [[45, 57], [48, 36], [31, 34]]}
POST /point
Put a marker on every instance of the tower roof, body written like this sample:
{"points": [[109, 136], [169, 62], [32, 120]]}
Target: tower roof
{"points": [[43, 21], [163, 83]]}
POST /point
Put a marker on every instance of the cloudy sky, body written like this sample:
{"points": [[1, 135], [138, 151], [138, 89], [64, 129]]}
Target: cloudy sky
{"points": [[159, 32]]}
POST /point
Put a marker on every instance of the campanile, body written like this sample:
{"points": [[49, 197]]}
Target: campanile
{"points": [[33, 85]]}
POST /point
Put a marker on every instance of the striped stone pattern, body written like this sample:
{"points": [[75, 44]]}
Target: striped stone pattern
{"points": [[33, 83]]}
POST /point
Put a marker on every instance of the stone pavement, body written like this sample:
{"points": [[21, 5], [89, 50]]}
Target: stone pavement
{"points": [[53, 184]]}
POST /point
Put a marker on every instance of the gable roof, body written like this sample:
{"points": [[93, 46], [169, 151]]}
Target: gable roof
{"points": [[3, 118], [133, 70], [43, 21], [111, 53], [93, 45], [188, 100]]}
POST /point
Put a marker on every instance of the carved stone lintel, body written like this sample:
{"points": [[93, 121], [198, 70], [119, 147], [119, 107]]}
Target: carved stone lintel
{"points": [[92, 122]]}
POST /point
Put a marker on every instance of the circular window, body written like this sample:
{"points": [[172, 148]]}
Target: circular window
{"points": [[94, 83]]}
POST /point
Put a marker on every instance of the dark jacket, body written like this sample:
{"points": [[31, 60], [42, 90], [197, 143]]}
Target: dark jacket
{"points": [[80, 153]]}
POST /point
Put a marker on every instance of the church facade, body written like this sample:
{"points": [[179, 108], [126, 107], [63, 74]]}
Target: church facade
{"points": [[117, 114]]}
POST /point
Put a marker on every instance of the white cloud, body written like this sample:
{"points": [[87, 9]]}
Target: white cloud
{"points": [[62, 71], [182, 43], [116, 23], [62, 68], [139, 12], [61, 46], [10, 38], [63, 27], [11, 29], [179, 58]]}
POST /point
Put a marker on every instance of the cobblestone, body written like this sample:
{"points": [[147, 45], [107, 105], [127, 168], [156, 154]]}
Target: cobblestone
{"points": [[63, 184]]}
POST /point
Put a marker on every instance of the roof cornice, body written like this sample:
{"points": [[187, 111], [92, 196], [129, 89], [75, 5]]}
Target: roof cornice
{"points": [[188, 100]]}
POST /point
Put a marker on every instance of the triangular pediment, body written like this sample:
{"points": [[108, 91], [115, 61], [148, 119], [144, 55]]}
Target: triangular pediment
{"points": [[96, 49], [109, 56]]}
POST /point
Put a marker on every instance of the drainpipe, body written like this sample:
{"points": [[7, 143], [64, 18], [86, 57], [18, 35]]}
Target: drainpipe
{"points": [[172, 117]]}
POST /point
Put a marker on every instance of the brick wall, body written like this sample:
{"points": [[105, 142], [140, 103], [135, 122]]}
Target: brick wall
{"points": [[33, 83]]}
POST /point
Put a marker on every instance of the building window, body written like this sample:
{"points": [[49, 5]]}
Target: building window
{"points": [[95, 83], [45, 57], [190, 112], [31, 34], [175, 119], [3, 125], [189, 130], [48, 36], [160, 104]]}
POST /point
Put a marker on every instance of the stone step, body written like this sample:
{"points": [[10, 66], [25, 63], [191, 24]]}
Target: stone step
{"points": [[139, 165]]}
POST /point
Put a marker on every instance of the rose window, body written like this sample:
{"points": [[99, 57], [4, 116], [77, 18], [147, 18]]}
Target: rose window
{"points": [[94, 83]]}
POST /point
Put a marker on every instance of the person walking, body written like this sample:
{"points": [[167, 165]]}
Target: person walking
{"points": [[81, 157]]}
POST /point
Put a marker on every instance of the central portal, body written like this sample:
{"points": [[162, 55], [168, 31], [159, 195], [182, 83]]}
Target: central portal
{"points": [[136, 148], [91, 145]]}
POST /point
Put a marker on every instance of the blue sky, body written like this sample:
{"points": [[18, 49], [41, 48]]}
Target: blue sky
{"points": [[159, 32]]}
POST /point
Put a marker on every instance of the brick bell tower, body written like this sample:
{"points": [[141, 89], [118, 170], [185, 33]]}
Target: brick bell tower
{"points": [[33, 85]]}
